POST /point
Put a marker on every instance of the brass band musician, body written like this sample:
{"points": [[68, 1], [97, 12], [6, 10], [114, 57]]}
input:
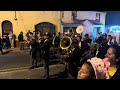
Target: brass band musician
{"points": [[72, 55]]}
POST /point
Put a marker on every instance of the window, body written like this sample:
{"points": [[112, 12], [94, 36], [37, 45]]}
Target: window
{"points": [[97, 16], [74, 14], [62, 14]]}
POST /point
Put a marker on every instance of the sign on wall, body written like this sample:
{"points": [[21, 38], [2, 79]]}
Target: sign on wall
{"points": [[115, 29]]}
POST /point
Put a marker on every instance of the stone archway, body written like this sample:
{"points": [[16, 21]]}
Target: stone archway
{"points": [[6, 27], [45, 27]]}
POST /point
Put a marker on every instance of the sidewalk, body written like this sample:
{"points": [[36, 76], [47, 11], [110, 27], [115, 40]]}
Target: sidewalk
{"points": [[25, 73], [16, 51]]}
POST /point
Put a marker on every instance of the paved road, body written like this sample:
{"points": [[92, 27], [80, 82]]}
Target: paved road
{"points": [[15, 58], [37, 73], [14, 64]]}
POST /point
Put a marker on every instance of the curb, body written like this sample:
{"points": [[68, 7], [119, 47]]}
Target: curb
{"points": [[15, 51], [23, 68], [13, 69]]}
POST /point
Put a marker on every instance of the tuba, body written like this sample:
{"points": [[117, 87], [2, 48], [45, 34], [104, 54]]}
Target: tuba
{"points": [[65, 43], [70, 31], [79, 29]]}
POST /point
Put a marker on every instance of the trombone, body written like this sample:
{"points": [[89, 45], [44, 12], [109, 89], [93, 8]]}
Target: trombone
{"points": [[87, 53]]}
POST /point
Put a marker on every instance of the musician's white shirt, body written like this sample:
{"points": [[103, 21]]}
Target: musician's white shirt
{"points": [[80, 44], [112, 41], [53, 40], [96, 52], [45, 40]]}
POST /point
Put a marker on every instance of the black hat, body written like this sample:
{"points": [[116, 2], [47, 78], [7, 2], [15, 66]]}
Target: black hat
{"points": [[87, 34], [99, 41]]}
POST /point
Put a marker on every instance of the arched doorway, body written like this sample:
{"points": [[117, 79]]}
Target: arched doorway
{"points": [[6, 27], [45, 27]]}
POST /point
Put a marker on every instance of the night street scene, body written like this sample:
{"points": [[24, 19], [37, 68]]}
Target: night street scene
{"points": [[60, 45]]}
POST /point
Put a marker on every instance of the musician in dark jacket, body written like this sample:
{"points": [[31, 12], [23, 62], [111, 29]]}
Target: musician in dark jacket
{"points": [[102, 48], [33, 50], [39, 51], [46, 48], [55, 44], [87, 39], [74, 58], [84, 47], [55, 40]]}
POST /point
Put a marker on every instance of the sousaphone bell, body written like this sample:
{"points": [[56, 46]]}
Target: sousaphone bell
{"points": [[65, 43], [79, 29]]}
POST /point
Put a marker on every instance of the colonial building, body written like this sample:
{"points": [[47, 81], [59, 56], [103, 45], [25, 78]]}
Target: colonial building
{"points": [[92, 21], [18, 21]]}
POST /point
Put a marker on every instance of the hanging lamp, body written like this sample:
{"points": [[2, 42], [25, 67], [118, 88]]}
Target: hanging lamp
{"points": [[15, 16]]}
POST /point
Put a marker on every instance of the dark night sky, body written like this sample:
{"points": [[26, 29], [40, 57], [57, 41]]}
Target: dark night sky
{"points": [[113, 18]]}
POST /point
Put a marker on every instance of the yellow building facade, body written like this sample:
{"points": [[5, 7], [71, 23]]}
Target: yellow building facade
{"points": [[27, 20]]}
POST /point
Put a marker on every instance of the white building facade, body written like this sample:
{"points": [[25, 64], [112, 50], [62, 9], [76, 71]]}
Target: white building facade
{"points": [[92, 21]]}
